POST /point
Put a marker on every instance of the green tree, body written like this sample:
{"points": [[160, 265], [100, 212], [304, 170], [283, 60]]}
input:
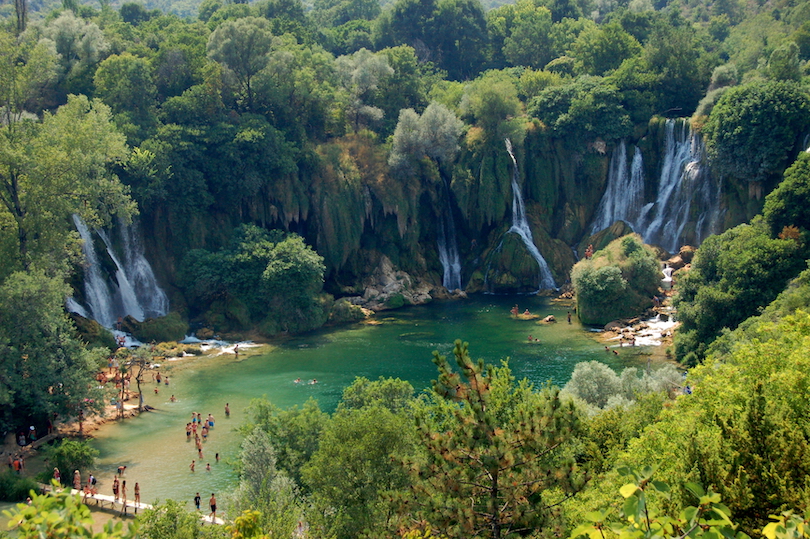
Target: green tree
{"points": [[529, 40], [125, 84], [171, 520], [44, 368], [789, 204], [434, 134], [80, 45], [784, 63], [390, 393], [732, 276], [754, 129], [69, 455], [604, 48], [58, 167], [494, 461], [461, 38], [242, 45], [352, 470], [491, 102]]}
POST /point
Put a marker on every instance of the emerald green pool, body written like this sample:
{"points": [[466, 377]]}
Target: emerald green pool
{"points": [[154, 447]]}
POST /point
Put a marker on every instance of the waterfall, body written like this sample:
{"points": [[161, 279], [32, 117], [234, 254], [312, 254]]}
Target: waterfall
{"points": [[134, 290], [520, 225], [624, 196], [448, 245], [687, 193]]}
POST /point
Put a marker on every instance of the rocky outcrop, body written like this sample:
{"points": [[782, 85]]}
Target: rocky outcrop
{"points": [[388, 288]]}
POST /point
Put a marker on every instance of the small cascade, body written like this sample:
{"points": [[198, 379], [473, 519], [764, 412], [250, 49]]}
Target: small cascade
{"points": [[520, 225], [448, 245], [624, 196], [132, 292], [686, 192]]}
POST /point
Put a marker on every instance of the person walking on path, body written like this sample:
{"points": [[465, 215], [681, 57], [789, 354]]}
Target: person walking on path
{"points": [[124, 496], [213, 503]]}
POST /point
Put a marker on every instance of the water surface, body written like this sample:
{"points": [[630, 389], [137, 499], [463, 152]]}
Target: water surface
{"points": [[154, 447]]}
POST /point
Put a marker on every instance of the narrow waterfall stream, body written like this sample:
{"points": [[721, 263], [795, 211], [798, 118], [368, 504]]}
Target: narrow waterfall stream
{"points": [[520, 225], [448, 245]]}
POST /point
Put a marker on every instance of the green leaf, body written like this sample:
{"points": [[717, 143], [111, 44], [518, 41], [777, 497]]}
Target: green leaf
{"points": [[628, 490], [695, 489]]}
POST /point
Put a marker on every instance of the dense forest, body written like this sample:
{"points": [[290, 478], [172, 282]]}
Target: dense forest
{"points": [[280, 159]]}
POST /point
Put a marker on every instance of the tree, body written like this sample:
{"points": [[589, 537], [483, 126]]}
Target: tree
{"points": [[789, 204], [242, 45], [529, 41], [604, 48], [80, 44], [69, 455], [57, 167], [390, 393], [495, 461], [434, 134], [361, 74], [754, 129], [461, 37], [44, 368], [125, 84], [352, 470]]}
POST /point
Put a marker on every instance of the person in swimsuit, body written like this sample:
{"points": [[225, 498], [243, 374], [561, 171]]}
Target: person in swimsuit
{"points": [[213, 503]]}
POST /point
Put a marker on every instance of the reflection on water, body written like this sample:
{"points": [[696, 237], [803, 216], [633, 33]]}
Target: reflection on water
{"points": [[154, 446]]}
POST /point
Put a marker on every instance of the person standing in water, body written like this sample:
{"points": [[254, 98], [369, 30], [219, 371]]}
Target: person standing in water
{"points": [[124, 496], [137, 496], [227, 410], [197, 501]]}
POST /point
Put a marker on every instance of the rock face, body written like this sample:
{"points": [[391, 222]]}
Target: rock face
{"points": [[388, 288]]}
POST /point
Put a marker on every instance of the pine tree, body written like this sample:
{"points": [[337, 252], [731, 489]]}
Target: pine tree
{"points": [[495, 461]]}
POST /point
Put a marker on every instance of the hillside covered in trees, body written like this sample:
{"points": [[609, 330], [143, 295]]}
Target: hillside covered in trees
{"points": [[278, 155]]}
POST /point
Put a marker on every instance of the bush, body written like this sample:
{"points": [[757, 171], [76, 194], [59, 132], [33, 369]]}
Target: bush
{"points": [[70, 455], [616, 282], [343, 312], [14, 488]]}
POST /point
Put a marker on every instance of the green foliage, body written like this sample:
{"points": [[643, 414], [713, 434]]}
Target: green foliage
{"points": [[732, 276], [125, 84], [789, 203], [491, 102], [434, 134], [14, 488], [599, 386], [602, 49], [44, 368], [617, 282], [352, 470], [70, 455], [494, 462], [392, 394], [277, 276], [710, 519], [295, 432], [171, 520], [61, 515], [754, 129], [585, 108]]}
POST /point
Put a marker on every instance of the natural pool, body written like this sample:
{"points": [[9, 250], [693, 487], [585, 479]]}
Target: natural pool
{"points": [[154, 447]]}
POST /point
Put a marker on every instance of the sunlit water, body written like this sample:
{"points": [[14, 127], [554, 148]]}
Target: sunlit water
{"points": [[154, 447]]}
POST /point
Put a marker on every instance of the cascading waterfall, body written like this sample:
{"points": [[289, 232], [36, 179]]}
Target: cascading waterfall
{"points": [[448, 245], [520, 225], [133, 292], [624, 196], [686, 191]]}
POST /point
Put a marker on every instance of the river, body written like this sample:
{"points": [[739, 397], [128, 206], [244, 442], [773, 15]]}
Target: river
{"points": [[153, 446]]}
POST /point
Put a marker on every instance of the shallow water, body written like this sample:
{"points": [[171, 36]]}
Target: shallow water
{"points": [[154, 447]]}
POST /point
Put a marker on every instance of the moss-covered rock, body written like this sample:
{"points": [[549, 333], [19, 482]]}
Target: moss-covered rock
{"points": [[617, 282], [171, 327], [93, 333]]}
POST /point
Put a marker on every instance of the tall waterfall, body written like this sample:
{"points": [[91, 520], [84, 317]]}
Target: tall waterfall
{"points": [[134, 290], [687, 205], [520, 225], [448, 247]]}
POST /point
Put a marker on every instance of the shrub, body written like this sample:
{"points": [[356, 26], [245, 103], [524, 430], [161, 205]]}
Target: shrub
{"points": [[14, 488]]}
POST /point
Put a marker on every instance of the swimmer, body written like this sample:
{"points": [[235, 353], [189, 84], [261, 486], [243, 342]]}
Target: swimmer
{"points": [[217, 457], [173, 398], [192, 465], [531, 338], [297, 380], [227, 410], [208, 467], [527, 313], [156, 391], [313, 382]]}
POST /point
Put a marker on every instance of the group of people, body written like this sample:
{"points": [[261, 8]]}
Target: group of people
{"points": [[212, 503], [16, 463], [90, 488], [204, 427]]}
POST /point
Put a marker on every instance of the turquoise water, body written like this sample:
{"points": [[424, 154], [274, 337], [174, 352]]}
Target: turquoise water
{"points": [[154, 447]]}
